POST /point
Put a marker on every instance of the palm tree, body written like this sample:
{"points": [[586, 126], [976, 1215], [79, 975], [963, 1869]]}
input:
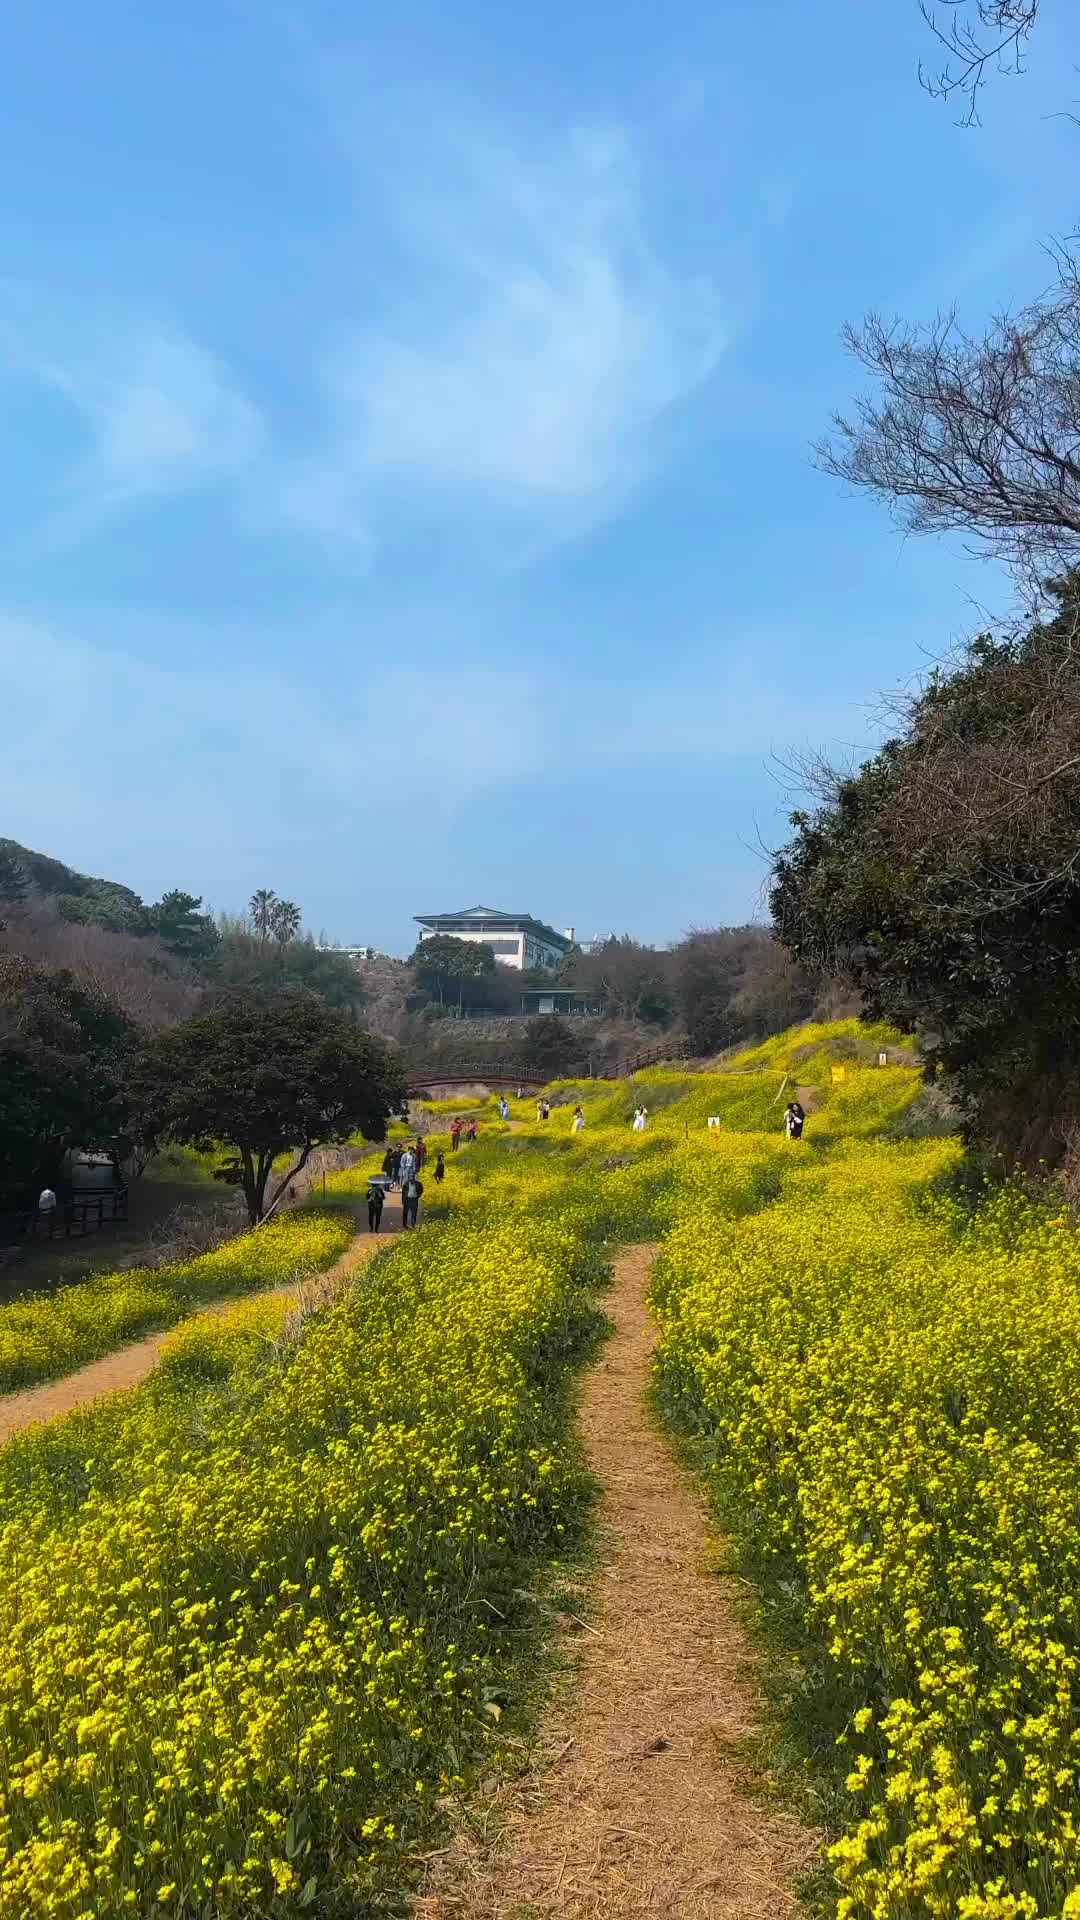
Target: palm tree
{"points": [[261, 909], [285, 921]]}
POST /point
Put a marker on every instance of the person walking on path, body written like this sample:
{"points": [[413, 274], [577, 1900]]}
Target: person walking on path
{"points": [[395, 1166], [376, 1195], [794, 1120], [440, 1169], [406, 1167], [388, 1164], [411, 1191], [504, 1107], [641, 1119], [46, 1208], [578, 1121], [421, 1150], [455, 1135]]}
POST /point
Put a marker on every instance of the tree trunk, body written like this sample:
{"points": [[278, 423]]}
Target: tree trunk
{"points": [[286, 1183], [253, 1189]]}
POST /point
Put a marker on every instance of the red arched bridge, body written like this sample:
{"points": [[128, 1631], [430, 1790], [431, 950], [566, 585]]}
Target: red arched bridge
{"points": [[441, 1076], [476, 1073]]}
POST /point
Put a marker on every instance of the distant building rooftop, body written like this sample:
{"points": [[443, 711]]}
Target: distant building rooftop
{"points": [[493, 920]]}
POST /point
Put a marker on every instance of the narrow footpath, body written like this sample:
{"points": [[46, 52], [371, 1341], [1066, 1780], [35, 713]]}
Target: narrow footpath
{"points": [[129, 1365], [643, 1804]]}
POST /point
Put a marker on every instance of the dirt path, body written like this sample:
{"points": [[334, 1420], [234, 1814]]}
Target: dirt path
{"points": [[130, 1364], [640, 1808]]}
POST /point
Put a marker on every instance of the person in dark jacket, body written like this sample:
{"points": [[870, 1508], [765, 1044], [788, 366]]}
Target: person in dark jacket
{"points": [[440, 1169], [375, 1198], [410, 1200], [794, 1120]]}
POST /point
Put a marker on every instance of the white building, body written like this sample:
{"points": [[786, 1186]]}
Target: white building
{"points": [[349, 953], [516, 939]]}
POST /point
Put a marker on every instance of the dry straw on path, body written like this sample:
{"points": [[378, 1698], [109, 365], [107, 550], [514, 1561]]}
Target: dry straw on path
{"points": [[129, 1365], [641, 1806]]}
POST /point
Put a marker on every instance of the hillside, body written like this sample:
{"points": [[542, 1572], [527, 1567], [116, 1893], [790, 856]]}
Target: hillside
{"points": [[716, 988], [155, 959], [876, 1375], [51, 879]]}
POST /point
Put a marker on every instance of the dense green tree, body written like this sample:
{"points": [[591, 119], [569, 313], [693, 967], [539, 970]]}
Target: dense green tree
{"points": [[454, 972], [942, 878], [244, 961], [267, 1074], [64, 1051], [116, 911], [179, 924]]}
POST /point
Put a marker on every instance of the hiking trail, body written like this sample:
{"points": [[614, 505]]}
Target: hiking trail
{"points": [[642, 1804], [129, 1365]]}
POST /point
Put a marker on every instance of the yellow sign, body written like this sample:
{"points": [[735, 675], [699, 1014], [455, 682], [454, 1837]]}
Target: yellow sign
{"points": [[839, 1073]]}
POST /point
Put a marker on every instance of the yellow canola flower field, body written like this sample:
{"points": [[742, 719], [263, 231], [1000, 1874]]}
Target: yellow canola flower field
{"points": [[248, 1630], [885, 1389], [244, 1628], [213, 1346], [44, 1335]]}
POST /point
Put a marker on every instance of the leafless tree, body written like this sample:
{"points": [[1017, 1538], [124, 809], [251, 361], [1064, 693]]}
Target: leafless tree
{"points": [[980, 434], [137, 973], [976, 37]]}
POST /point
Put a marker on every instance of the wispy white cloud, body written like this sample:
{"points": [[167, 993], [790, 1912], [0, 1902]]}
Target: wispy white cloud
{"points": [[530, 341], [163, 415], [347, 787], [271, 765], [536, 342]]}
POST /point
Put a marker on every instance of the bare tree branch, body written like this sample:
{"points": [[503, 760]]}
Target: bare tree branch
{"points": [[977, 434], [285, 1183], [976, 35]]}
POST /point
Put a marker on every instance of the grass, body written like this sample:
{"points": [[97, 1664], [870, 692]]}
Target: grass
{"points": [[336, 1539], [179, 1178], [45, 1336]]}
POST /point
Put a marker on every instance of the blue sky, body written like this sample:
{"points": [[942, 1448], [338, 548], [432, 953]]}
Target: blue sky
{"points": [[408, 498]]}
